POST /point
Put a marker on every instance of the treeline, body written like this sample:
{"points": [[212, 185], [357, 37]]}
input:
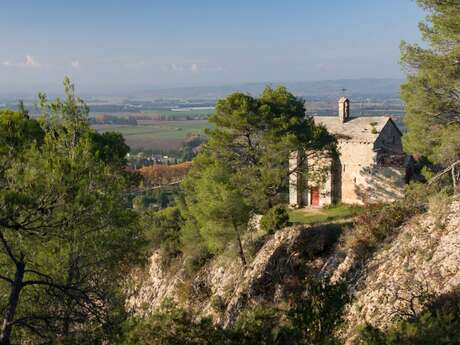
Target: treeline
{"points": [[113, 120]]}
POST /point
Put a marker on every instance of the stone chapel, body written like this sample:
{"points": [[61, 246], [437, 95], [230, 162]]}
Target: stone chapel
{"points": [[371, 166]]}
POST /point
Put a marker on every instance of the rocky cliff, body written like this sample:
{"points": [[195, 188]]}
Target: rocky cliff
{"points": [[222, 288], [421, 261]]}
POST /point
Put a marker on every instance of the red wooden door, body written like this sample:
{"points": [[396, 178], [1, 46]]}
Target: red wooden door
{"points": [[314, 196]]}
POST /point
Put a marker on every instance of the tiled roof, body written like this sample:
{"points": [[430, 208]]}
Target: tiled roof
{"points": [[355, 128]]}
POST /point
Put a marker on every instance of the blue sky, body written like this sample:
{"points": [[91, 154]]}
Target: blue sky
{"points": [[122, 44]]}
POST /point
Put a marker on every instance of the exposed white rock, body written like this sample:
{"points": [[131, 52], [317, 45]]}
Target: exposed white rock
{"points": [[421, 262]]}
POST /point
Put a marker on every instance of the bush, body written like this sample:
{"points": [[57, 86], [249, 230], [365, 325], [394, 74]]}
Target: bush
{"points": [[377, 223], [317, 314], [258, 325], [193, 247], [275, 219], [317, 311], [438, 324], [163, 231], [172, 326]]}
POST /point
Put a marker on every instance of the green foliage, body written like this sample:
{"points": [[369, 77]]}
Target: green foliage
{"points": [[376, 223], [109, 147], [259, 325], [430, 95], [332, 213], [275, 219], [438, 324], [66, 238], [163, 231], [172, 326], [318, 313], [313, 319], [254, 137], [242, 169], [219, 209], [17, 130], [193, 246], [156, 199]]}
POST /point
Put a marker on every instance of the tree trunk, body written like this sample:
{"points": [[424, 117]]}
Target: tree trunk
{"points": [[454, 178], [71, 272], [241, 251], [13, 301]]}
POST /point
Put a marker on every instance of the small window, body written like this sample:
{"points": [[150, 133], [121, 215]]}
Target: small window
{"points": [[393, 140], [344, 167]]}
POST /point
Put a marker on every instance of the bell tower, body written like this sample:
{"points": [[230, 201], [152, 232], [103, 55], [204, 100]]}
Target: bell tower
{"points": [[344, 109]]}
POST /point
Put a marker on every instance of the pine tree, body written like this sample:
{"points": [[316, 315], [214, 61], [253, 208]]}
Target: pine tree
{"points": [[65, 233], [243, 168], [431, 94]]}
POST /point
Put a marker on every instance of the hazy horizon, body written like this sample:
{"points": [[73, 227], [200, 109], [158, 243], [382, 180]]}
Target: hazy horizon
{"points": [[329, 88], [124, 47]]}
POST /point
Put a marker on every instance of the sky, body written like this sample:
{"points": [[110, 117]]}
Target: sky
{"points": [[121, 45]]}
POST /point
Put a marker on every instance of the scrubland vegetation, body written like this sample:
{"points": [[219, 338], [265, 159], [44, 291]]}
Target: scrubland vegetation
{"points": [[75, 222]]}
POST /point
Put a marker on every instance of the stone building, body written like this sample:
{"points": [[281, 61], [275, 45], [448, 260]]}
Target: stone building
{"points": [[371, 165]]}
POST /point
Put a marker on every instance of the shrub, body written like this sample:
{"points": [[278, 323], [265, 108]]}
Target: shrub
{"points": [[193, 247], [163, 231], [315, 315], [438, 324], [257, 325], [275, 219], [172, 326], [377, 223]]}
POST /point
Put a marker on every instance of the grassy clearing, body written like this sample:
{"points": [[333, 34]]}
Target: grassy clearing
{"points": [[323, 215]]}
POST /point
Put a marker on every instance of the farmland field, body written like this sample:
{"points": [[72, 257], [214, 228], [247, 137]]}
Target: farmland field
{"points": [[157, 136], [157, 114]]}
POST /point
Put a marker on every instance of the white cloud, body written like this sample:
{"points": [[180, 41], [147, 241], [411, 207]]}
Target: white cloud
{"points": [[193, 67], [29, 61], [75, 64]]}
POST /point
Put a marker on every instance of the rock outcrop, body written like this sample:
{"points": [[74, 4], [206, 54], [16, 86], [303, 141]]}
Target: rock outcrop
{"points": [[420, 262], [223, 287]]}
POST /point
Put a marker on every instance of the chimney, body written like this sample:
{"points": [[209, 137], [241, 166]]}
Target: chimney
{"points": [[344, 109]]}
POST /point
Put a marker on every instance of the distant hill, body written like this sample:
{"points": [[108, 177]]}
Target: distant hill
{"points": [[310, 90], [362, 88]]}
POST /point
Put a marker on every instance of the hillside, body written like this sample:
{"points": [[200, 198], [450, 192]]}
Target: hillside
{"points": [[371, 87], [421, 261], [419, 264]]}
